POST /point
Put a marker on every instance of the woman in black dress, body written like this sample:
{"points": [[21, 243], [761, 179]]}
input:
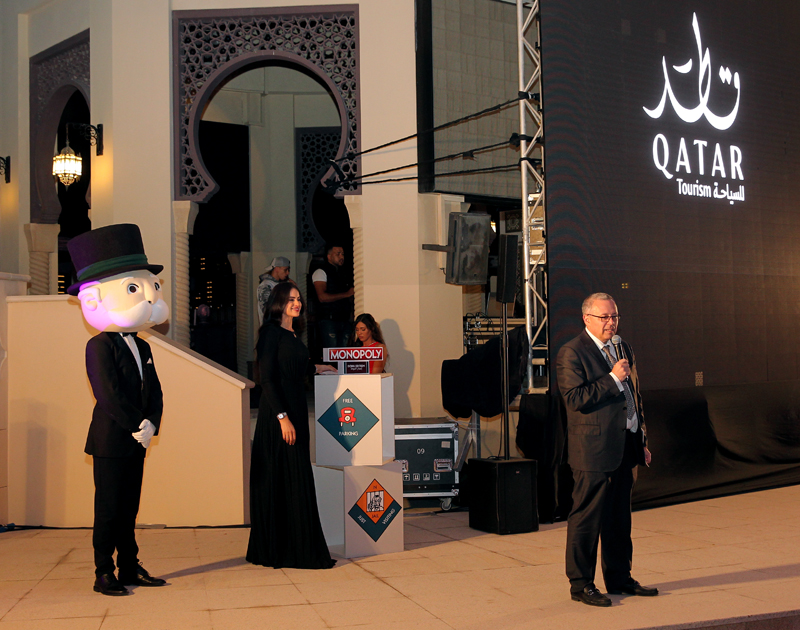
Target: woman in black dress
{"points": [[285, 528]]}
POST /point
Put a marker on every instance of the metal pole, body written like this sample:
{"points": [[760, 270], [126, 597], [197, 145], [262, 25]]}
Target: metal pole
{"points": [[523, 151], [504, 384], [475, 429], [529, 65]]}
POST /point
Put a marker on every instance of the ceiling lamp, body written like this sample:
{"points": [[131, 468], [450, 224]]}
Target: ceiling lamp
{"points": [[67, 166]]}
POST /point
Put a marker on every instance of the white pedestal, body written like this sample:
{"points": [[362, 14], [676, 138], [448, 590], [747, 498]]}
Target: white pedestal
{"points": [[361, 508], [354, 419]]}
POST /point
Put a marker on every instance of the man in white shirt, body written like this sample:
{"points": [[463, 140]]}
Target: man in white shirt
{"points": [[278, 271]]}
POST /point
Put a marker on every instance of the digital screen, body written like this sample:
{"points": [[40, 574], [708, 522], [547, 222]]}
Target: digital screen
{"points": [[466, 64], [672, 137]]}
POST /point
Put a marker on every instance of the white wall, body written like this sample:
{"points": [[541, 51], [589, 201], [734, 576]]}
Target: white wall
{"points": [[134, 107], [10, 285], [53, 22], [27, 27]]}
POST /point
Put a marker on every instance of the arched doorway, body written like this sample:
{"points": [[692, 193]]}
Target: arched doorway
{"points": [[59, 93], [260, 136], [211, 46]]}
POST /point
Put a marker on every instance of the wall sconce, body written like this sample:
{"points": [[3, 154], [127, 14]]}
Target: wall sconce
{"points": [[91, 133], [67, 165], [5, 167]]}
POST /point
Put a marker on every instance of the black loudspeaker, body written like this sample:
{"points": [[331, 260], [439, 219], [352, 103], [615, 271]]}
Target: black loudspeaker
{"points": [[468, 248], [507, 268], [502, 496]]}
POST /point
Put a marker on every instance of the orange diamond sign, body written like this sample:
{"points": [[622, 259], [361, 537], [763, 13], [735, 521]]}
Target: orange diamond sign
{"points": [[375, 510]]}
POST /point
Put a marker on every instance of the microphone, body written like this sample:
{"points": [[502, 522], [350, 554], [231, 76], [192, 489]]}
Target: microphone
{"points": [[616, 340]]}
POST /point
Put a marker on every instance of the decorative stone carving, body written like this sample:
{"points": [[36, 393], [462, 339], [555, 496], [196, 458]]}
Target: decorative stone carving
{"points": [[66, 67], [42, 241], [184, 214], [241, 265], [314, 149], [358, 269], [210, 45], [355, 211]]}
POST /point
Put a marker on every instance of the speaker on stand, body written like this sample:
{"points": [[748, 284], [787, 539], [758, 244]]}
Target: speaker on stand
{"points": [[503, 491]]}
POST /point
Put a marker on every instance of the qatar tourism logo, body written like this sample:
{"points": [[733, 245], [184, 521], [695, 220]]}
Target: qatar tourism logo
{"points": [[725, 160]]}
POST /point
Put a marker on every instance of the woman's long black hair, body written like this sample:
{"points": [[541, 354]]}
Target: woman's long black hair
{"points": [[276, 305]]}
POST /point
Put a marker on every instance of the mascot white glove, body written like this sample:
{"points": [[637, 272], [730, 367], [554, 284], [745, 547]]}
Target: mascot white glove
{"points": [[148, 430]]}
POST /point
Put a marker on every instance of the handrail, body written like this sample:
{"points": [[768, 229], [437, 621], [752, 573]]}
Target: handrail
{"points": [[190, 355], [160, 340]]}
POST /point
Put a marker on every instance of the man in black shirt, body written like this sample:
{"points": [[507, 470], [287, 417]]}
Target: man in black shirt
{"points": [[335, 295]]}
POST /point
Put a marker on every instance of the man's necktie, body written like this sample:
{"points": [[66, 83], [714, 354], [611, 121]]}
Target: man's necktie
{"points": [[625, 387]]}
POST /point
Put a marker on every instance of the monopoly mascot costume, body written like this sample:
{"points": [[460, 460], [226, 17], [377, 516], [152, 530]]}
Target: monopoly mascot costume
{"points": [[119, 296]]}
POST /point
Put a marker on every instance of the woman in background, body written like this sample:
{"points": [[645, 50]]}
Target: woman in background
{"points": [[285, 527], [367, 333]]}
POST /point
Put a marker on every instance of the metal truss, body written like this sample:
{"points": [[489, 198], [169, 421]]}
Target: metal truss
{"points": [[534, 246]]}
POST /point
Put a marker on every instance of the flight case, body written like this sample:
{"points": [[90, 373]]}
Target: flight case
{"points": [[427, 448]]}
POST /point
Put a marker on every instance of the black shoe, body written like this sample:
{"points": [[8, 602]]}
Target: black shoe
{"points": [[107, 584], [590, 595], [140, 578], [632, 587]]}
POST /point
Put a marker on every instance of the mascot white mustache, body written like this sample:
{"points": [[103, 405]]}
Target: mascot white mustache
{"points": [[136, 306]]}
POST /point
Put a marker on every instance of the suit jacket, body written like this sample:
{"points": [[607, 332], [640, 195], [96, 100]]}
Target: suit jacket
{"points": [[596, 409], [123, 398]]}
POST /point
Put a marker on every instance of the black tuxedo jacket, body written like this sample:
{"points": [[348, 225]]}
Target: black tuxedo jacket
{"points": [[596, 409], [123, 398]]}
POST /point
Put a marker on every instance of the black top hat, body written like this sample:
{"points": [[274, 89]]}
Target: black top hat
{"points": [[107, 251]]}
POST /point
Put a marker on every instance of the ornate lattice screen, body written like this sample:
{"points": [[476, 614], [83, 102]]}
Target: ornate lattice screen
{"points": [[209, 46], [313, 147]]}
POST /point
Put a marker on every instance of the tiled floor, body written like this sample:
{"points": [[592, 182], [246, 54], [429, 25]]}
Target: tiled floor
{"points": [[734, 557]]}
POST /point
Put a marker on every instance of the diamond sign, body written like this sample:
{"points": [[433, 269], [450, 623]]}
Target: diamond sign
{"points": [[375, 510], [348, 420]]}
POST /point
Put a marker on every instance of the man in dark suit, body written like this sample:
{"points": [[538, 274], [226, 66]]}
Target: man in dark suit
{"points": [[607, 440], [119, 295]]}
